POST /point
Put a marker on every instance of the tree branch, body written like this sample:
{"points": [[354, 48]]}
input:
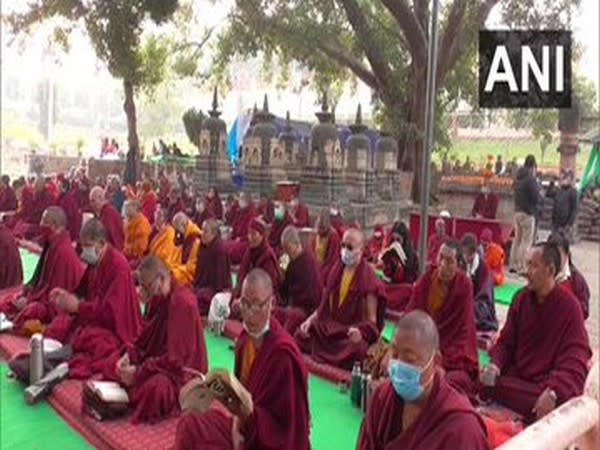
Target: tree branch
{"points": [[407, 21], [450, 36], [421, 8]]}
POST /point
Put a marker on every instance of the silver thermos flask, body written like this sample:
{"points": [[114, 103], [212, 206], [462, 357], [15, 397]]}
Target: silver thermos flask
{"points": [[36, 358]]}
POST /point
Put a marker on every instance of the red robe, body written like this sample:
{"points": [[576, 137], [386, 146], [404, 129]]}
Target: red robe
{"points": [[8, 199], [108, 317], [541, 346], [11, 270], [174, 208], [337, 222], [148, 206], [447, 422], [328, 340], [199, 217], [276, 232], [215, 206], [113, 223], [278, 385], [485, 206], [58, 266], [301, 291], [577, 285], [267, 211], [213, 273], [172, 339], [263, 257], [68, 203], [163, 191], [302, 216], [434, 243], [237, 245], [232, 213], [332, 253], [455, 321], [32, 209], [375, 246]]}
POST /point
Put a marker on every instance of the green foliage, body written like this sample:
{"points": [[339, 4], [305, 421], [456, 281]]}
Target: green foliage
{"points": [[192, 122]]}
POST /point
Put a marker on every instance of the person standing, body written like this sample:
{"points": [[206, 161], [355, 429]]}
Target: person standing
{"points": [[527, 200], [564, 209]]}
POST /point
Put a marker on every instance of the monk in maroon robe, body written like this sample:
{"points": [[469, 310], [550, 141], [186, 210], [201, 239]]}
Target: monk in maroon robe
{"points": [[8, 198], [486, 204], [172, 340], [109, 217], [175, 203], [541, 358], [68, 202], [270, 367], [238, 241], [426, 415], [299, 213], [446, 294], [164, 189], [337, 220], [435, 241], [302, 287], [28, 226], [213, 273], [148, 201], [375, 244], [266, 208], [213, 203], [11, 270], [327, 244], [258, 255], [81, 189], [57, 267], [108, 317], [351, 314], [281, 220], [232, 209], [201, 213]]}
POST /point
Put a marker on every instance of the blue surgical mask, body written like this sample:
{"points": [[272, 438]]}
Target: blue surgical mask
{"points": [[348, 258], [406, 379], [89, 255], [279, 213]]}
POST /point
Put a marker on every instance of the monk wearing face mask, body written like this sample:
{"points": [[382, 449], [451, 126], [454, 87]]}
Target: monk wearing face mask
{"points": [[326, 246], [416, 408], [281, 221]]}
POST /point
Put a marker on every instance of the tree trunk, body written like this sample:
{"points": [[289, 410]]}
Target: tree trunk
{"points": [[131, 169]]}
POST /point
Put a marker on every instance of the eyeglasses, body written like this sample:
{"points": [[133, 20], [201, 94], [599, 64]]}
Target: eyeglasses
{"points": [[348, 246], [256, 308]]}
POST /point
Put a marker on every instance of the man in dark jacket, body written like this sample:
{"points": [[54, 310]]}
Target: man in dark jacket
{"points": [[527, 201], [565, 205]]}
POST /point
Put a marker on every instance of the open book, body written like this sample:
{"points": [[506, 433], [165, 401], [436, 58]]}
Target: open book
{"points": [[109, 391]]}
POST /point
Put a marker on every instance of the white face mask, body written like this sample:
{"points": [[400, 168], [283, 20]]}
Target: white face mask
{"points": [[258, 335], [348, 257]]}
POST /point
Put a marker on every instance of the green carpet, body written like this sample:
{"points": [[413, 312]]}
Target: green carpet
{"points": [[29, 261], [505, 293], [35, 427]]}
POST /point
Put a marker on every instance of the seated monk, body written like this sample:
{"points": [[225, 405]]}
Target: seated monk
{"points": [[8, 198], [108, 317], [68, 202], [162, 240], [493, 255], [238, 241], [172, 340], [417, 408], [540, 359], [281, 220], [258, 255], [302, 287], [213, 203], [137, 231], [486, 204], [337, 219], [326, 246], [10, 274], [483, 285], [568, 276], [175, 203], [57, 267], [410, 268], [148, 201], [299, 213], [266, 208], [109, 217], [445, 293], [398, 292], [375, 245], [350, 317], [435, 241], [200, 212], [213, 274], [28, 224], [270, 367], [232, 209], [188, 242], [164, 188]]}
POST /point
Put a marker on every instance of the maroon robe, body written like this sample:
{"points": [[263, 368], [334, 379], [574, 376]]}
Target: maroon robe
{"points": [[455, 322], [148, 206], [108, 317], [332, 254], [434, 243], [11, 270], [337, 222], [214, 205], [447, 422], [301, 216], [199, 217], [68, 203], [174, 208], [113, 223], [164, 190], [374, 245], [485, 206], [580, 289], [278, 385], [8, 199], [541, 346], [237, 245], [172, 339], [267, 211], [276, 232], [213, 273], [301, 291], [28, 227], [58, 267], [328, 340], [262, 257], [231, 214]]}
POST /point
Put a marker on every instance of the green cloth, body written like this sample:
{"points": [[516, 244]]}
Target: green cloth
{"points": [[29, 261], [591, 173], [504, 294]]}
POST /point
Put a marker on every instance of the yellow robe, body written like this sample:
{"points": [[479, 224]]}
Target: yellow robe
{"points": [[185, 272], [137, 233], [163, 247]]}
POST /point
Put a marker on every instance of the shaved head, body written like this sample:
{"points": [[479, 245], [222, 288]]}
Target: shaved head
{"points": [[420, 325], [151, 266], [354, 236], [180, 221], [97, 198], [210, 231], [290, 236], [55, 217], [324, 218], [132, 207], [258, 280], [93, 231]]}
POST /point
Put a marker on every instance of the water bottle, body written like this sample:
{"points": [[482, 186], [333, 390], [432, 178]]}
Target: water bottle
{"points": [[366, 392], [36, 358], [355, 386]]}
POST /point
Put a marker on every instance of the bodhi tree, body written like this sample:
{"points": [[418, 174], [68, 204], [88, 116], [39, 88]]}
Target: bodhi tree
{"points": [[114, 28], [384, 44]]}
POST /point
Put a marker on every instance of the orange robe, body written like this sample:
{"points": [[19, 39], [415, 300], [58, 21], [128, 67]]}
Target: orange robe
{"points": [[162, 245], [137, 234], [494, 258], [184, 270]]}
